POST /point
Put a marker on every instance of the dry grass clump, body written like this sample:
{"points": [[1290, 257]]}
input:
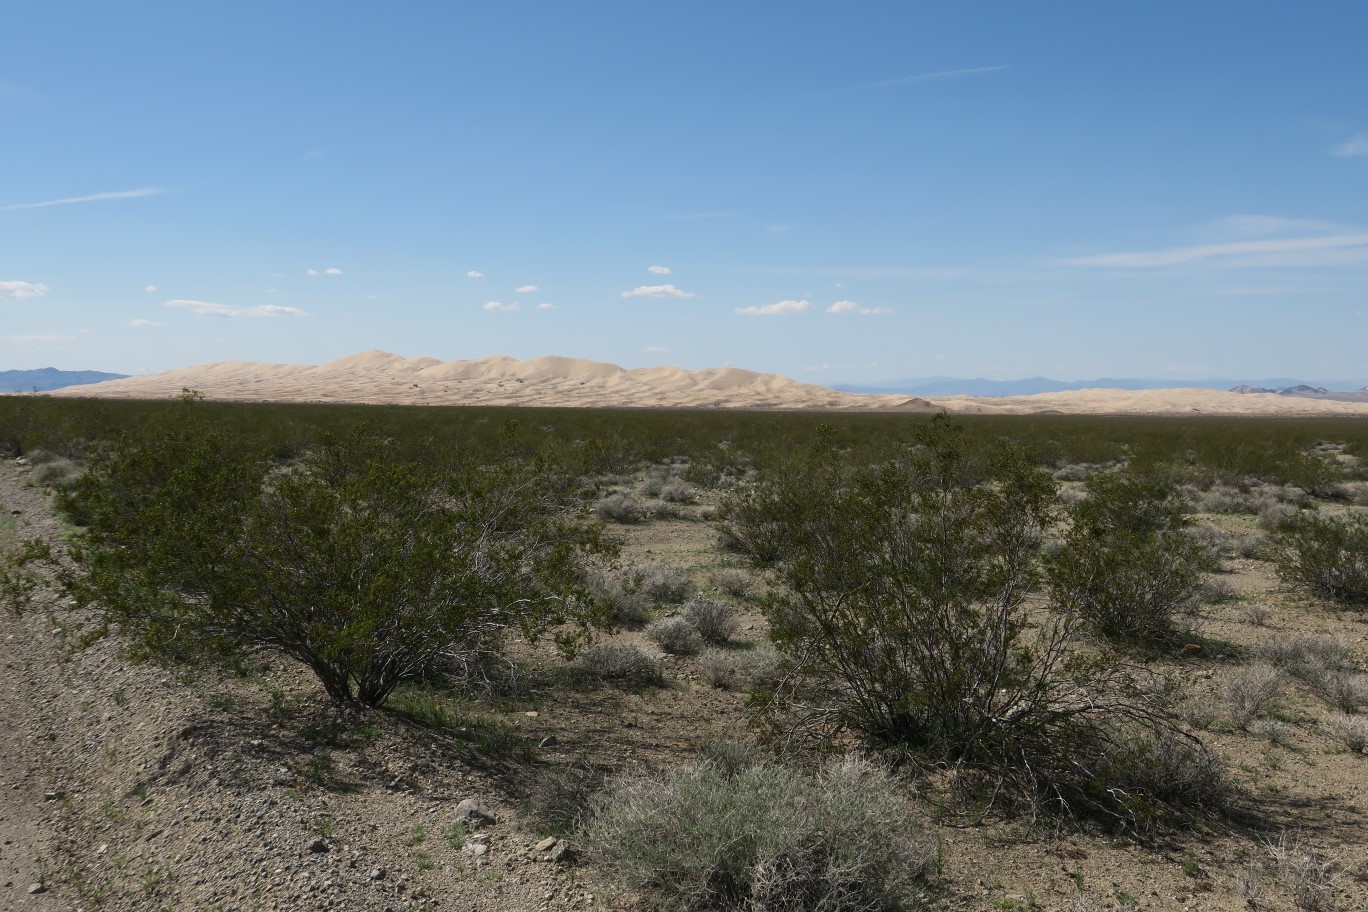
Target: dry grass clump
{"points": [[1273, 730], [1308, 873], [558, 798], [1246, 691], [660, 583], [740, 669], [621, 662], [50, 471], [714, 621], [676, 635], [1277, 515], [1322, 662], [1258, 614], [626, 603], [678, 491], [734, 582], [758, 836], [1351, 730], [1227, 543], [621, 507]]}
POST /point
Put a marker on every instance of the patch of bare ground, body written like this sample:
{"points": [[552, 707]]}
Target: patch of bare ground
{"points": [[135, 786]]}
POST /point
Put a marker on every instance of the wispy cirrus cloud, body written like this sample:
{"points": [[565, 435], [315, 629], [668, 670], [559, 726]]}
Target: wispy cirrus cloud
{"points": [[658, 291], [224, 311], [474, 274], [658, 270], [1329, 250], [777, 309], [140, 323], [1354, 147], [150, 288], [922, 77], [527, 289], [40, 338], [92, 198], [850, 307], [654, 350], [330, 271], [17, 291], [545, 305], [500, 306]]}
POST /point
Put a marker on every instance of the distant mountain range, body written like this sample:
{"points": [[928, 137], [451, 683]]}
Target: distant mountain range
{"points": [[49, 378], [957, 386]]}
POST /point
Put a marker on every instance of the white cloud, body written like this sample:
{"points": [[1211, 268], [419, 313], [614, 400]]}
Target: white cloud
{"points": [[778, 309], [17, 291], [150, 288], [498, 305], [845, 307], [546, 306], [1357, 147], [654, 349], [658, 291], [473, 274], [332, 270], [311, 272], [1331, 250], [527, 289], [41, 338], [140, 323], [1248, 227], [92, 198], [206, 309], [658, 270]]}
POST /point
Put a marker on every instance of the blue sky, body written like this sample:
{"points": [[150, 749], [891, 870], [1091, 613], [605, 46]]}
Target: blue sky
{"points": [[837, 192]]}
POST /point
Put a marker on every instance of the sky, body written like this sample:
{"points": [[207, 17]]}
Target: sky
{"points": [[846, 192]]}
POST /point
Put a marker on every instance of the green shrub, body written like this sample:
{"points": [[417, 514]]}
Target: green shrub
{"points": [[370, 569], [1129, 568], [715, 836], [1328, 557], [902, 617]]}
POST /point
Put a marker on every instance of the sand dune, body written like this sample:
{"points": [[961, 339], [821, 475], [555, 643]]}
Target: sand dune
{"points": [[383, 377]]}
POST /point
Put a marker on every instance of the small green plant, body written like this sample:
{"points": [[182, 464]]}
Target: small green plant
{"points": [[455, 835], [1128, 567], [418, 834]]}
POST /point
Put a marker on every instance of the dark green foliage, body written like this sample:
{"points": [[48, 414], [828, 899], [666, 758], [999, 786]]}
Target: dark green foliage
{"points": [[1128, 567], [369, 568], [1327, 556], [903, 618]]}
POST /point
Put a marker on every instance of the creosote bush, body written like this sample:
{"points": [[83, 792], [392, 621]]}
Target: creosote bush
{"points": [[748, 835], [1326, 556], [1128, 568], [369, 568], [901, 616]]}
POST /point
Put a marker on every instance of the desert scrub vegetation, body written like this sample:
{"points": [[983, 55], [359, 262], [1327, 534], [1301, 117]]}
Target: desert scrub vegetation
{"points": [[659, 582], [740, 669], [1128, 567], [715, 622], [902, 618], [1326, 556], [749, 835], [621, 507], [622, 663], [676, 635], [370, 569]]}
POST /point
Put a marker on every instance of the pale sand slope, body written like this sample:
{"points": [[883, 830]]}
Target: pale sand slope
{"points": [[381, 377]]}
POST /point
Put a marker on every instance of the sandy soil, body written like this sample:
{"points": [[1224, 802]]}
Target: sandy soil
{"points": [[381, 377]]}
